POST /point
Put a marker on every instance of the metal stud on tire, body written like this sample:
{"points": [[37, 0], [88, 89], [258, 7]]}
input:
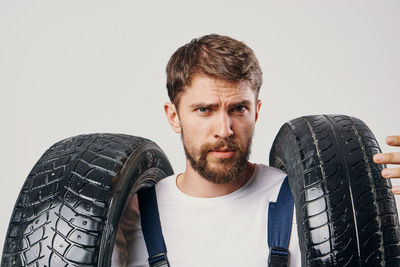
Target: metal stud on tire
{"points": [[68, 210]]}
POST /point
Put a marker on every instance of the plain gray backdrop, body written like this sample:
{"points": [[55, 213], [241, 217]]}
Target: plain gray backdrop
{"points": [[76, 67]]}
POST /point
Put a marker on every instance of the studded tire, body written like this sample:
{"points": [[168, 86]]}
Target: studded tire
{"points": [[346, 214], [68, 210]]}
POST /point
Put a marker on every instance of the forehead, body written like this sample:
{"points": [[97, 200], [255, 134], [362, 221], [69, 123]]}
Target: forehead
{"points": [[206, 88]]}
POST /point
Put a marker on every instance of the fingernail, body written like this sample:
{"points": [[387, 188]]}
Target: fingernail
{"points": [[396, 190], [390, 140], [386, 173], [378, 158]]}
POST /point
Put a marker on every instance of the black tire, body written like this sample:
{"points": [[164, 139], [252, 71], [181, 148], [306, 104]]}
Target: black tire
{"points": [[346, 213], [68, 210]]}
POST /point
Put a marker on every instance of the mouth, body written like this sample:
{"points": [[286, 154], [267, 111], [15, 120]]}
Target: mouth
{"points": [[223, 153]]}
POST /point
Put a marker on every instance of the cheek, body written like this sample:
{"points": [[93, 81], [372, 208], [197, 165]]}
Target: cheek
{"points": [[191, 135], [191, 129], [199, 128], [244, 127]]}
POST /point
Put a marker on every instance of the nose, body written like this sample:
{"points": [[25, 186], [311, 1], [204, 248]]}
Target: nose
{"points": [[224, 126]]}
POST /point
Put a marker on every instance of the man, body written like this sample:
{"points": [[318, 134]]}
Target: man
{"points": [[215, 212]]}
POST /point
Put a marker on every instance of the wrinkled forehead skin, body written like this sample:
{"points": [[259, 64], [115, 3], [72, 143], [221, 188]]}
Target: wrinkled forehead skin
{"points": [[242, 85]]}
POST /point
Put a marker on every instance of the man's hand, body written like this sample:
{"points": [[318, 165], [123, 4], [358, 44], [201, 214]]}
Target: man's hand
{"points": [[390, 158]]}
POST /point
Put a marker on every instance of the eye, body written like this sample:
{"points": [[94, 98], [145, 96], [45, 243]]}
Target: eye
{"points": [[239, 109], [203, 110]]}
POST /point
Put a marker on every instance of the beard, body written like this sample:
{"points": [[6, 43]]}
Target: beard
{"points": [[226, 170]]}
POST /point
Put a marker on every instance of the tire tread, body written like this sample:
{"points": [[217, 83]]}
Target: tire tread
{"points": [[61, 211], [334, 155]]}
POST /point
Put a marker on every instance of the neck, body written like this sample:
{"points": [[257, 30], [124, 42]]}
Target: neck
{"points": [[193, 184]]}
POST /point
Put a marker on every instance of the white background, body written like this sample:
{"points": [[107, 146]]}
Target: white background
{"points": [[74, 67]]}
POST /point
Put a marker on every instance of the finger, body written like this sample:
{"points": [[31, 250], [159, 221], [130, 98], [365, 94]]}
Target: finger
{"points": [[393, 140], [391, 173], [396, 189], [387, 158]]}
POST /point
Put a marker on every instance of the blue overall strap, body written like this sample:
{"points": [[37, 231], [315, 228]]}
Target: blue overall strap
{"points": [[151, 227], [280, 215]]}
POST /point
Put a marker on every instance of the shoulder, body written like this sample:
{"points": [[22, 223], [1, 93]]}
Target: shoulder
{"points": [[166, 183], [270, 172], [271, 176], [268, 179], [166, 189], [167, 180]]}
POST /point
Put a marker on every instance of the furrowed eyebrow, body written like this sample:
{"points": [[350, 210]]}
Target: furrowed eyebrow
{"points": [[203, 105], [241, 103], [211, 105]]}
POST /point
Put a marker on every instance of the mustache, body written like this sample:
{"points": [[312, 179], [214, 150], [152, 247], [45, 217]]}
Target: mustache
{"points": [[229, 144]]}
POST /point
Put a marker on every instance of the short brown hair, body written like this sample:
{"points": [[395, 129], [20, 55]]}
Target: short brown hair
{"points": [[216, 56]]}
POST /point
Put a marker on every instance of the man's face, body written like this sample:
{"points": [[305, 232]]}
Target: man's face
{"points": [[216, 119]]}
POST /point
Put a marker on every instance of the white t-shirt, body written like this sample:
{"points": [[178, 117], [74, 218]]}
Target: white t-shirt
{"points": [[229, 230]]}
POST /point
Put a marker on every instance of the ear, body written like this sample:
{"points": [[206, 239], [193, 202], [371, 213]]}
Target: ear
{"points": [[259, 102], [172, 116]]}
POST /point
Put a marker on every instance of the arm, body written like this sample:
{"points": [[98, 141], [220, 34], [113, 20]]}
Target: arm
{"points": [[390, 158]]}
